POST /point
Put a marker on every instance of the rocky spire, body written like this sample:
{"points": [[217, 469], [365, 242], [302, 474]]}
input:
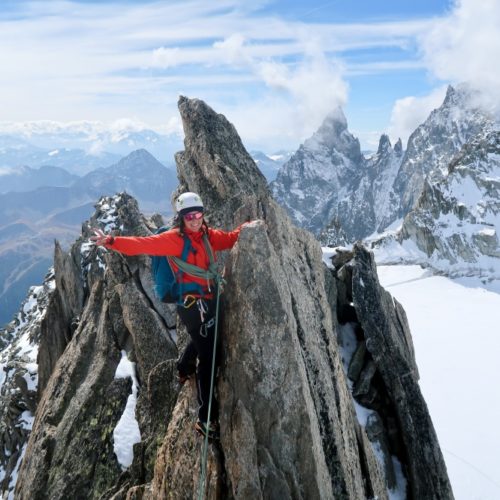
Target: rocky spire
{"points": [[288, 428], [102, 310], [398, 147], [384, 144], [216, 165], [452, 97], [335, 137]]}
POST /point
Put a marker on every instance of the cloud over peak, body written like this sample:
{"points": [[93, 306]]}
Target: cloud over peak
{"points": [[464, 46]]}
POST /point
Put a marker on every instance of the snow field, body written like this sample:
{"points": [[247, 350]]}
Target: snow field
{"points": [[455, 330]]}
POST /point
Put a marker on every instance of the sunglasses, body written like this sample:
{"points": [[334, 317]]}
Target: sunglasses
{"points": [[193, 216]]}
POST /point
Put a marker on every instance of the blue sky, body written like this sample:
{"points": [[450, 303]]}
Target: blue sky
{"points": [[275, 69]]}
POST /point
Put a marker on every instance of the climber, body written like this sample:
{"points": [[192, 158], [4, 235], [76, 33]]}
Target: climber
{"points": [[196, 309]]}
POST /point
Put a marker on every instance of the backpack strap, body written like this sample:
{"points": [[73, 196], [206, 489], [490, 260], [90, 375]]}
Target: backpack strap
{"points": [[185, 252], [207, 274], [208, 249]]}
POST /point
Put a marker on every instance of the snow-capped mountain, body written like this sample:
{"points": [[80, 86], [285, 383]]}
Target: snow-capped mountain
{"points": [[455, 224], [322, 173], [330, 188], [94, 140], [432, 146]]}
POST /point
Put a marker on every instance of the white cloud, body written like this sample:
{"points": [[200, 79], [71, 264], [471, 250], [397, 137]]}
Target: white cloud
{"points": [[465, 47], [409, 112], [232, 50], [103, 60], [8, 171], [269, 123], [173, 126], [165, 57], [315, 87]]}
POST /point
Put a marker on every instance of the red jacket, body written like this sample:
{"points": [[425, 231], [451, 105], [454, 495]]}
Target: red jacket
{"points": [[171, 243]]}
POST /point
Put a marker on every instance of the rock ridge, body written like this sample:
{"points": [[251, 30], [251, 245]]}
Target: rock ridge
{"points": [[291, 415]]}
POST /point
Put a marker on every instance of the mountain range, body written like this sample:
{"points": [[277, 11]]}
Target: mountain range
{"points": [[24, 178], [16, 153], [440, 195], [455, 223], [31, 220], [409, 204], [80, 147], [329, 181]]}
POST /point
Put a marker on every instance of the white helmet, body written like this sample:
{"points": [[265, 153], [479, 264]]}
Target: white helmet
{"points": [[188, 202]]}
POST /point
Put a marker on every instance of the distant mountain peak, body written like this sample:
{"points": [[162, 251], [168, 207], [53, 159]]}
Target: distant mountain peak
{"points": [[139, 154], [50, 139], [451, 95], [462, 96], [333, 125], [336, 116], [334, 136], [398, 147], [384, 144]]}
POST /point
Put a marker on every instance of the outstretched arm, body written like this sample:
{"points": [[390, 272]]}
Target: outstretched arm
{"points": [[223, 240], [166, 243]]}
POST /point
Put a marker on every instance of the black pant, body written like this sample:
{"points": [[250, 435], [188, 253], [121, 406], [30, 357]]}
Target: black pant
{"points": [[199, 320]]}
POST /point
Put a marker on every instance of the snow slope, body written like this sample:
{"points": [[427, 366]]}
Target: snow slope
{"points": [[455, 330]]}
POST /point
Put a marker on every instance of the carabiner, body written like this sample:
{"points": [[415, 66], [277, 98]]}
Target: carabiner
{"points": [[188, 298]]}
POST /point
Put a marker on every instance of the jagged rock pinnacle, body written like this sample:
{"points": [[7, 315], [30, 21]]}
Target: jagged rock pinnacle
{"points": [[384, 144], [216, 165], [398, 147]]}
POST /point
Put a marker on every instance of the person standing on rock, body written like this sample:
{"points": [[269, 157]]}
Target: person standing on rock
{"points": [[197, 309]]}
